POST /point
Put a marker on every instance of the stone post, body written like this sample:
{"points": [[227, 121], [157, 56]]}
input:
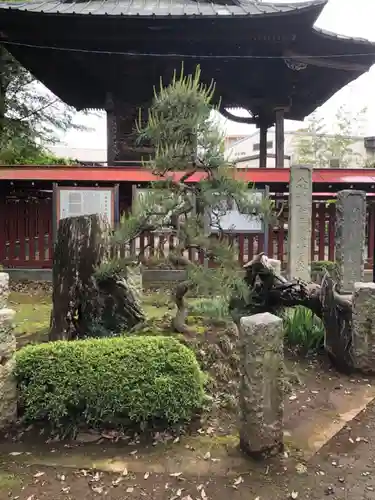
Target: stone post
{"points": [[8, 387], [299, 223], [350, 238], [363, 327], [261, 386]]}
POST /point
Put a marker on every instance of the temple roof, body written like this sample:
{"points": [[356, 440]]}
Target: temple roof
{"points": [[261, 55], [161, 7]]}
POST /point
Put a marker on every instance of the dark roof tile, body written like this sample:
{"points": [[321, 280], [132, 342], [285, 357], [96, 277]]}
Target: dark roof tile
{"points": [[160, 7]]}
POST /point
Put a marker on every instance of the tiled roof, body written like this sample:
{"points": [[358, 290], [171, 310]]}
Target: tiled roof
{"points": [[161, 7]]}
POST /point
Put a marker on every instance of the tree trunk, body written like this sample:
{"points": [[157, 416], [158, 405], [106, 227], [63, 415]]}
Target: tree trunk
{"points": [[88, 302], [269, 292]]}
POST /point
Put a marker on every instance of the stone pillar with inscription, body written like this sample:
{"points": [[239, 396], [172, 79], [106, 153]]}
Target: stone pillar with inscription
{"points": [[299, 224], [261, 393], [350, 237]]}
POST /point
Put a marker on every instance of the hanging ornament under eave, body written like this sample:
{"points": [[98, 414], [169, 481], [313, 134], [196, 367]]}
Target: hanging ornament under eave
{"points": [[295, 65]]}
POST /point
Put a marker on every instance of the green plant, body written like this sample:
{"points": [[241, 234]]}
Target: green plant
{"points": [[216, 308], [303, 329], [322, 266], [108, 381]]}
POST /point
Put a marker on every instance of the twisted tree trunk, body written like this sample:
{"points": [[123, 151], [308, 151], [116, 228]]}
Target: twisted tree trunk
{"points": [[269, 292], [88, 302]]}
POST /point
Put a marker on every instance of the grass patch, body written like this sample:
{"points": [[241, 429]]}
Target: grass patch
{"points": [[8, 481], [33, 310]]}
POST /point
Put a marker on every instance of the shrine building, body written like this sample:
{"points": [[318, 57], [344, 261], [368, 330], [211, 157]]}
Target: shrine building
{"points": [[267, 58]]}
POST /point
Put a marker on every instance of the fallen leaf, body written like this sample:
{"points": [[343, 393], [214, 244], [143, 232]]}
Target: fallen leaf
{"points": [[125, 472], [351, 440], [134, 452], [117, 481], [39, 474], [15, 453], [97, 489], [179, 492], [177, 440], [301, 468], [294, 495], [203, 495], [130, 489], [176, 474], [293, 397], [238, 481], [188, 497], [147, 475], [66, 489], [207, 456]]}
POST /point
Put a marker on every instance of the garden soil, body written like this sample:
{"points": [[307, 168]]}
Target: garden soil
{"points": [[343, 469]]}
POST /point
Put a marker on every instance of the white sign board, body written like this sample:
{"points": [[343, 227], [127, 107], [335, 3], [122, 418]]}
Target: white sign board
{"points": [[237, 222], [73, 202]]}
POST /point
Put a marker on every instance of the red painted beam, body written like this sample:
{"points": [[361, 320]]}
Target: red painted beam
{"points": [[116, 174]]}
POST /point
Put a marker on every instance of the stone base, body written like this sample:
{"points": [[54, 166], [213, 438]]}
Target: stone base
{"points": [[262, 454]]}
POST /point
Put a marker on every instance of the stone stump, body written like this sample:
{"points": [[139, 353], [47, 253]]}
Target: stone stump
{"points": [[363, 327], [276, 265], [8, 387], [299, 223], [350, 238], [135, 279], [261, 386]]}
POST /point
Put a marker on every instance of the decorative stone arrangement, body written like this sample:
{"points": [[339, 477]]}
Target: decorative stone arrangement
{"points": [[261, 389], [8, 387]]}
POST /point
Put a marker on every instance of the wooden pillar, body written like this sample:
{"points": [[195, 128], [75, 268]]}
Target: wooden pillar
{"points": [[263, 145], [279, 137]]}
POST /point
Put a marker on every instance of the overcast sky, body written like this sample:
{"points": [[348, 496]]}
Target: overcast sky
{"points": [[347, 17]]}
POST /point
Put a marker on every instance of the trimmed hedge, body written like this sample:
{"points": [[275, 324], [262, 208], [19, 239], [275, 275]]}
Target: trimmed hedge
{"points": [[100, 381]]}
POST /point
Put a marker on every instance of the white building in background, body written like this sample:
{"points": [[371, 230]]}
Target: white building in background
{"points": [[245, 152], [84, 155]]}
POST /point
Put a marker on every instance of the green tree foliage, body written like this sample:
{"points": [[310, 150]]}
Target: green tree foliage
{"points": [[30, 117], [186, 139], [108, 381], [317, 144]]}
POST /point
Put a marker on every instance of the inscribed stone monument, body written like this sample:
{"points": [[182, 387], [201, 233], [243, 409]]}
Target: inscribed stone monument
{"points": [[261, 386], [350, 237], [299, 222]]}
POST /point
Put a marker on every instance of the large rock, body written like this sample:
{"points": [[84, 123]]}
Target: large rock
{"points": [[4, 289], [363, 327], [7, 337], [8, 394], [261, 387]]}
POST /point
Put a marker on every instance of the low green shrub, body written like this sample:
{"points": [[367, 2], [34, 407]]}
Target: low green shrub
{"points": [[303, 329], [106, 381]]}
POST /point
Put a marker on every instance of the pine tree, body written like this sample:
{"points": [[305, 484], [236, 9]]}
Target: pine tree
{"points": [[187, 140]]}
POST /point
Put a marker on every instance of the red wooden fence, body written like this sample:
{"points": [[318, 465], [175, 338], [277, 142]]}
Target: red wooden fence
{"points": [[26, 236]]}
